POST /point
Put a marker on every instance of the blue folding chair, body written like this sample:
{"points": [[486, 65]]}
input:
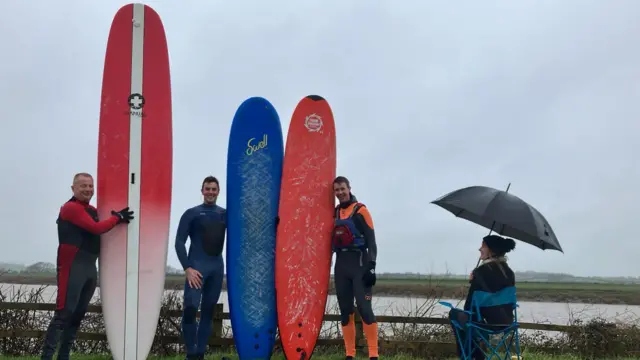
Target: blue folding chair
{"points": [[476, 330]]}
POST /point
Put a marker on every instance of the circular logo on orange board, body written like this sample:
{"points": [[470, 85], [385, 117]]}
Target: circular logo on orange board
{"points": [[313, 123]]}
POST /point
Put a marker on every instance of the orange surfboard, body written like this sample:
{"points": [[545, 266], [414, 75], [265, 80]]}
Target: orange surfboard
{"points": [[303, 242]]}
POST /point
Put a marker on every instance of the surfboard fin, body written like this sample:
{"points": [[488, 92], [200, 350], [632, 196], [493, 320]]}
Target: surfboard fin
{"points": [[303, 355]]}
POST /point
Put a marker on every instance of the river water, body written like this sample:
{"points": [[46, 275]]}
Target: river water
{"points": [[529, 311]]}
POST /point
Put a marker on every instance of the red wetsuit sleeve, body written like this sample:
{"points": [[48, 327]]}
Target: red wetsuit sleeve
{"points": [[76, 214]]}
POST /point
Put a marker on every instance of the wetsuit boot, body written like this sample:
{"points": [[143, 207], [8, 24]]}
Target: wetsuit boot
{"points": [[371, 334], [349, 336]]}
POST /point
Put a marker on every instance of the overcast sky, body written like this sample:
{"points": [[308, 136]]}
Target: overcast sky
{"points": [[428, 97]]}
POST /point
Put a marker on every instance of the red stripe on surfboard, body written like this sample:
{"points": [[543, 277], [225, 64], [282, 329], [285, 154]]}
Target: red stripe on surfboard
{"points": [[157, 158], [113, 140], [113, 172], [303, 249]]}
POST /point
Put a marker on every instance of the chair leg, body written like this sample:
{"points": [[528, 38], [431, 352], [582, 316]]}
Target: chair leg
{"points": [[474, 347], [461, 339], [516, 334], [480, 348]]}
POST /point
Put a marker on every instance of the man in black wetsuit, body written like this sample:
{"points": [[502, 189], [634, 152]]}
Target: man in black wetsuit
{"points": [[205, 225], [79, 231], [354, 243]]}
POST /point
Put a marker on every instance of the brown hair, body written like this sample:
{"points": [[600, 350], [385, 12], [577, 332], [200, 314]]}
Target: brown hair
{"points": [[210, 179], [342, 180]]}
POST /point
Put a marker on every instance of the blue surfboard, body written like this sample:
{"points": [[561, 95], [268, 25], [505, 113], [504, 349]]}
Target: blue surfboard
{"points": [[254, 172]]}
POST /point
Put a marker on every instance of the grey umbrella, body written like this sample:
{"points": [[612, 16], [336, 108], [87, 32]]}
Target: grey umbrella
{"points": [[501, 212]]}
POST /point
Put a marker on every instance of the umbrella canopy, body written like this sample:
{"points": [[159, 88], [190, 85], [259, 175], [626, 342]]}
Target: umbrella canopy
{"points": [[501, 212]]}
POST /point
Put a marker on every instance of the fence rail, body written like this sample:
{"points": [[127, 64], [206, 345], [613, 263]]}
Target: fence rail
{"points": [[217, 340], [219, 315]]}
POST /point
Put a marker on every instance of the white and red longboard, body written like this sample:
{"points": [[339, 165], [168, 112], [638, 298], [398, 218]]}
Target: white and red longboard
{"points": [[135, 170]]}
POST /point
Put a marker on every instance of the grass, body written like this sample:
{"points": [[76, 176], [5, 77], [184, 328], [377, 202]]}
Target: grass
{"points": [[338, 356]]}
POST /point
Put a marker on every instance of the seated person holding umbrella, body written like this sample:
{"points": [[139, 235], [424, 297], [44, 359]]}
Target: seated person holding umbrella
{"points": [[493, 275], [493, 282]]}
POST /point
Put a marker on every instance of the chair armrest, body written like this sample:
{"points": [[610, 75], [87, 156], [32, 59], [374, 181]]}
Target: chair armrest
{"points": [[447, 304]]}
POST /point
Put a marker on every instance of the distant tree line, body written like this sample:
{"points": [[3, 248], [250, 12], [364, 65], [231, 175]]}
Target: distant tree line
{"points": [[42, 267]]}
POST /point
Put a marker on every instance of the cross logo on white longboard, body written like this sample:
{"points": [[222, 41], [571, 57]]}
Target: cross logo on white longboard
{"points": [[136, 101]]}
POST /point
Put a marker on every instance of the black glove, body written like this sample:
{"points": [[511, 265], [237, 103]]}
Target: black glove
{"points": [[124, 215], [369, 277]]}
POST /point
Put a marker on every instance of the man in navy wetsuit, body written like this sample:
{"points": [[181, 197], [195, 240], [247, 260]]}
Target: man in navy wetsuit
{"points": [[205, 225], [79, 231]]}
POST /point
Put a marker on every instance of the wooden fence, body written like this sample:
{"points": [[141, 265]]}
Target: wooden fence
{"points": [[217, 340]]}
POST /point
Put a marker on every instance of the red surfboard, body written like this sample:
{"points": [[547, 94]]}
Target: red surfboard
{"points": [[135, 170], [303, 242]]}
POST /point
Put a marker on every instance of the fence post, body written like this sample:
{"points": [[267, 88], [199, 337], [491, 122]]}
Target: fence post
{"points": [[217, 320], [359, 329]]}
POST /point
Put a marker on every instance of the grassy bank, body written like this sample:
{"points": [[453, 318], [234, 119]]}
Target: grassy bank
{"points": [[594, 339], [444, 288], [603, 293]]}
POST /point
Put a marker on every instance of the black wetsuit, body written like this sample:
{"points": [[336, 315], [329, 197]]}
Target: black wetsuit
{"points": [[352, 264], [79, 232]]}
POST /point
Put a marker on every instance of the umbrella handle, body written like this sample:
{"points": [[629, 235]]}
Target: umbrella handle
{"points": [[492, 225]]}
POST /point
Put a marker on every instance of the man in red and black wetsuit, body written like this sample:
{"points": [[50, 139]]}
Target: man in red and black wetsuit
{"points": [[79, 231]]}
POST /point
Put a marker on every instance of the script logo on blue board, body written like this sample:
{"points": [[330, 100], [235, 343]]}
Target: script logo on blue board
{"points": [[252, 146]]}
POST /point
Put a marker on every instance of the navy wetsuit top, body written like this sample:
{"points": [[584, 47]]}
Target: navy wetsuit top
{"points": [[206, 227]]}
